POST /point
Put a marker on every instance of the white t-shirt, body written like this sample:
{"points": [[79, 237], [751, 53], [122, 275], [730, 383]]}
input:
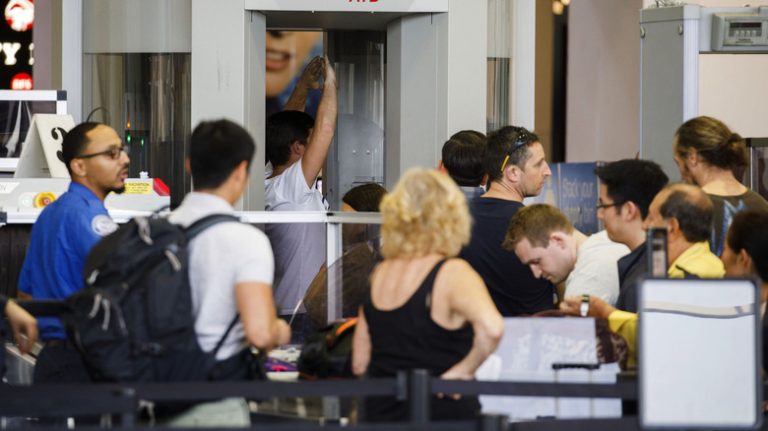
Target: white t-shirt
{"points": [[596, 272], [219, 258], [299, 247]]}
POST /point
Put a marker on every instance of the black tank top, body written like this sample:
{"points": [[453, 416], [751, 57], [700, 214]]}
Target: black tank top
{"points": [[407, 338]]}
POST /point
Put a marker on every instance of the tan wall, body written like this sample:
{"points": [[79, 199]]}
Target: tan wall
{"points": [[603, 101]]}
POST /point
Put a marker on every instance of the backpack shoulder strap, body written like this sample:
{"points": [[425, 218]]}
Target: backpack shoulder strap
{"points": [[204, 223], [193, 230], [226, 333]]}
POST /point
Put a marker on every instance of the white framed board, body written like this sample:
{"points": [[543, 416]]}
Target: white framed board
{"points": [[699, 349]]}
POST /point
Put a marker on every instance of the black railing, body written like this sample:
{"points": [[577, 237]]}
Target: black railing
{"points": [[414, 387]]}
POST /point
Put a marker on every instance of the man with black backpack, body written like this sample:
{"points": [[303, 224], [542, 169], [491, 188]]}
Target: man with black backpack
{"points": [[231, 265], [65, 232]]}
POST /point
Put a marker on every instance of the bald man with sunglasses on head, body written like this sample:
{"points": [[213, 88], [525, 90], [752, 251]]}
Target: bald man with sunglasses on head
{"points": [[64, 233], [517, 168]]}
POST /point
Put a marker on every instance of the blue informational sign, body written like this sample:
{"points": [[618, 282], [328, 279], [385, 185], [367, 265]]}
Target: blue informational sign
{"points": [[578, 193], [573, 188]]}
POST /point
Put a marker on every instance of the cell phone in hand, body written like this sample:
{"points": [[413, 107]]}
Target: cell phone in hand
{"points": [[656, 243]]}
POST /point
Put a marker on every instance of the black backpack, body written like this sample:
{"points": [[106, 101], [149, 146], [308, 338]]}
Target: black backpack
{"points": [[328, 352], [133, 320]]}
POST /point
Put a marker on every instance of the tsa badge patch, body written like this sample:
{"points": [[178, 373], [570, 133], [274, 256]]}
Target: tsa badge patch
{"points": [[103, 225]]}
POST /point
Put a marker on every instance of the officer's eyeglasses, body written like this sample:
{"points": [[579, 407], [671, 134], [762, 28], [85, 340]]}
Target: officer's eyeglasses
{"points": [[524, 138], [113, 153]]}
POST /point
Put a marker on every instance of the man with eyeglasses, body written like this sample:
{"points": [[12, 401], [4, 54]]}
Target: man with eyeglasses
{"points": [[516, 168], [627, 188], [64, 233]]}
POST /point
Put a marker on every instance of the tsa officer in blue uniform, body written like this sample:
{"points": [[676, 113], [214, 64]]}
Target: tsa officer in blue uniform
{"points": [[64, 233]]}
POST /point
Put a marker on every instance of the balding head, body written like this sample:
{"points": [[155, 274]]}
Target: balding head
{"points": [[689, 205]]}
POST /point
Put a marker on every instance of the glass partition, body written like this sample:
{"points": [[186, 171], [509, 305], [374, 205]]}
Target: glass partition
{"points": [[146, 98]]}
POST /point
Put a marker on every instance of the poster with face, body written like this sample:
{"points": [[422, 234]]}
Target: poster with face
{"points": [[287, 54]]}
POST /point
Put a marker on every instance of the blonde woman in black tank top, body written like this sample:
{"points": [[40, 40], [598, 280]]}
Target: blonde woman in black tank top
{"points": [[426, 309]]}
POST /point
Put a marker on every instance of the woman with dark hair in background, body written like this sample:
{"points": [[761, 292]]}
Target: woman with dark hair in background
{"points": [[746, 255], [711, 156]]}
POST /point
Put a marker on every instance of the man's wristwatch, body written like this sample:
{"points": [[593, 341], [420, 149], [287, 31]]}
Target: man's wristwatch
{"points": [[584, 308]]}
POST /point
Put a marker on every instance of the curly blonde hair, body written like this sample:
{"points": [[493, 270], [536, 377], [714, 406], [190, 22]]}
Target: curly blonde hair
{"points": [[426, 213]]}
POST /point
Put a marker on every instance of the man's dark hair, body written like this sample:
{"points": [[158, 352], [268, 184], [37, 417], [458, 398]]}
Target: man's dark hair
{"points": [[216, 149], [630, 180], [693, 210], [283, 129], [509, 141], [749, 231], [74, 143], [365, 197], [470, 137], [463, 159]]}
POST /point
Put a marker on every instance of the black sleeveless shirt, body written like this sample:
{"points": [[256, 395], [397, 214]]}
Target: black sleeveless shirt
{"points": [[407, 338]]}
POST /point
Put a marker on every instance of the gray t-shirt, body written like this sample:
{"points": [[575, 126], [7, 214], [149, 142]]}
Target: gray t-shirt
{"points": [[219, 258], [724, 208], [299, 247]]}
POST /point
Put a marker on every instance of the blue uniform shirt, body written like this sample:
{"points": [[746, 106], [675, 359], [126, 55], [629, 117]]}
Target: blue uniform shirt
{"points": [[61, 238]]}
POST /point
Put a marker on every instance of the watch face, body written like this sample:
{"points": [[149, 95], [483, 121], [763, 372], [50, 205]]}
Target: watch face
{"points": [[584, 310]]}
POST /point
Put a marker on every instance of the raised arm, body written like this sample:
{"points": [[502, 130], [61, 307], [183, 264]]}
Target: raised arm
{"points": [[263, 329], [468, 297], [325, 126], [309, 80]]}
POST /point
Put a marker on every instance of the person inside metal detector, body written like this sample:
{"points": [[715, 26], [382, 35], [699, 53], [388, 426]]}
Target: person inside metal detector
{"points": [[426, 309], [296, 148], [64, 233], [745, 254], [713, 157]]}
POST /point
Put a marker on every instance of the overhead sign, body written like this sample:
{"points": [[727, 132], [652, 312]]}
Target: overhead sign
{"points": [[16, 47]]}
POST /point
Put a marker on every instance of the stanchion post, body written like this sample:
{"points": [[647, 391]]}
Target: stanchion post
{"points": [[128, 419], [419, 394]]}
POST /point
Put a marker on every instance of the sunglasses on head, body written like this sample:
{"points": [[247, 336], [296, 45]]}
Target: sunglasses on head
{"points": [[523, 138]]}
